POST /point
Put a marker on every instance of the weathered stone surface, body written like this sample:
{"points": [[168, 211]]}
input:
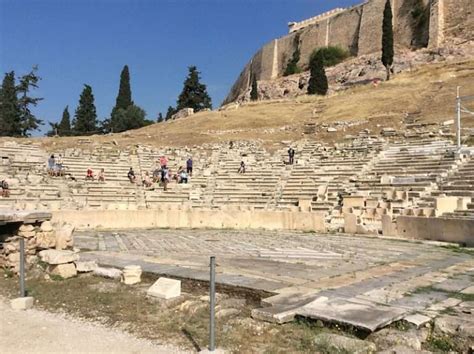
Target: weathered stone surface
{"points": [[45, 239], [86, 266], [389, 337], [26, 228], [131, 274], [112, 273], [67, 270], [165, 288], [227, 313], [336, 343], [58, 256], [46, 226], [27, 234], [417, 319], [22, 303], [64, 237]]}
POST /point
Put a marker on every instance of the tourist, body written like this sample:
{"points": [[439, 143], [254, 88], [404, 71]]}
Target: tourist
{"points": [[5, 189], [231, 144], [59, 165], [183, 177], [189, 166], [146, 182], [242, 167], [51, 165], [101, 177], [89, 175], [163, 161], [291, 155], [165, 177], [131, 175], [156, 175]]}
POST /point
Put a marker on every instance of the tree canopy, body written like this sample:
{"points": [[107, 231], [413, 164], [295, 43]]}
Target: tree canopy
{"points": [[194, 94], [85, 118], [318, 82]]}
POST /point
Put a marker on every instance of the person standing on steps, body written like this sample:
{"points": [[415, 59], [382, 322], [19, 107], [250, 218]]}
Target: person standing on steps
{"points": [[291, 155], [189, 167]]}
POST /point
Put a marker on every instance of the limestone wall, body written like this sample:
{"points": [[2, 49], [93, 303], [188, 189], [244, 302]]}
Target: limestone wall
{"points": [[168, 218], [437, 229], [417, 23]]}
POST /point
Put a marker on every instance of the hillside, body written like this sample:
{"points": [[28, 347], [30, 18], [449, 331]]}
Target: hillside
{"points": [[428, 91]]}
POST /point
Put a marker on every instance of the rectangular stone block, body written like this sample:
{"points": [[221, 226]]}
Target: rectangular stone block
{"points": [[354, 201], [165, 288], [58, 256], [86, 266], [65, 271], [22, 303], [350, 223]]}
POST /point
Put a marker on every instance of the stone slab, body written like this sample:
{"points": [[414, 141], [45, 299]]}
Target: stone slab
{"points": [[58, 256], [22, 303], [361, 314], [417, 319], [165, 288], [111, 273], [67, 270], [86, 266]]}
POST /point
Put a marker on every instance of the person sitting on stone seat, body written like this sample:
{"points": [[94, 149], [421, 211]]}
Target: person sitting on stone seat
{"points": [[5, 188], [163, 161], [89, 175], [147, 180], [101, 176], [242, 167], [156, 175], [183, 177], [59, 166], [131, 175]]}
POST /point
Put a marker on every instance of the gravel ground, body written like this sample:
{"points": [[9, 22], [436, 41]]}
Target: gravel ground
{"points": [[36, 331]]}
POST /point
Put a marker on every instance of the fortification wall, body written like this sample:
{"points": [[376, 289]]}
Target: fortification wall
{"points": [[417, 23]]}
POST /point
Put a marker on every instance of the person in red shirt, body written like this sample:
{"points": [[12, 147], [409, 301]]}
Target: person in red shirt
{"points": [[163, 161], [90, 174]]}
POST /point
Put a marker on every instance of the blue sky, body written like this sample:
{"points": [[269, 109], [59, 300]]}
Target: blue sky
{"points": [[76, 42]]}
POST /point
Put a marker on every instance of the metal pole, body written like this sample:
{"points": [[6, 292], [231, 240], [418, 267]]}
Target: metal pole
{"points": [[212, 303], [22, 267], [458, 120]]}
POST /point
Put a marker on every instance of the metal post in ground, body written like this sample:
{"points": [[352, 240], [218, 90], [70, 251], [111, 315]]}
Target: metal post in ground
{"points": [[22, 267], [212, 303], [458, 120]]}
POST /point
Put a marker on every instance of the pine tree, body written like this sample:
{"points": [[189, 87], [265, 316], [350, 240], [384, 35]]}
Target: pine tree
{"points": [[64, 126], [254, 91], [318, 82], [28, 121], [85, 118], [10, 115], [194, 94], [387, 39], [160, 118]]}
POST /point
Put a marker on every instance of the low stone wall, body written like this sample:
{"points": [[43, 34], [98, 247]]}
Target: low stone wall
{"points": [[438, 229], [218, 219]]}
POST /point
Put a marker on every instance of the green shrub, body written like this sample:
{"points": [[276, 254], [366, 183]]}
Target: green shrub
{"points": [[331, 55]]}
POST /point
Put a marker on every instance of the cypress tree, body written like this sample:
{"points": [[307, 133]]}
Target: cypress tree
{"points": [[85, 118], [170, 112], [64, 126], [10, 115], [160, 118], [318, 82], [387, 39], [28, 121], [194, 94], [254, 91], [124, 97]]}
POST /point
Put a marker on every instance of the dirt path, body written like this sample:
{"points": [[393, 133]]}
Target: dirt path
{"points": [[36, 331]]}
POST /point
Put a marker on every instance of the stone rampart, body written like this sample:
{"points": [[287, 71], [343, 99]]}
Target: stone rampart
{"points": [[417, 23], [182, 218]]}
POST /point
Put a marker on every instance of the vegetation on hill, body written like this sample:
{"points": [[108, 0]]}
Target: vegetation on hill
{"points": [[85, 118], [63, 128], [292, 66], [331, 55], [318, 82], [254, 90], [194, 94], [16, 118], [387, 39]]}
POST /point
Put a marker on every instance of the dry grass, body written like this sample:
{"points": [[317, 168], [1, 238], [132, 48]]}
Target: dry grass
{"points": [[429, 90]]}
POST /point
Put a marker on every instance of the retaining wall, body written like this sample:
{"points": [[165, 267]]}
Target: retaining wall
{"points": [[219, 219]]}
